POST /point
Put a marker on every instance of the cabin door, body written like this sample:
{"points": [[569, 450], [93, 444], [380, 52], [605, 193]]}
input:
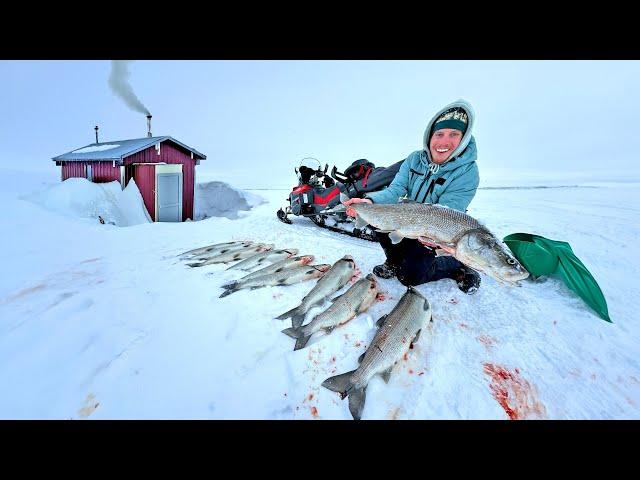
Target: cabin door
{"points": [[169, 193]]}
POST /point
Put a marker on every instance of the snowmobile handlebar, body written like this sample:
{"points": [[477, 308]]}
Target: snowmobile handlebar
{"points": [[341, 177]]}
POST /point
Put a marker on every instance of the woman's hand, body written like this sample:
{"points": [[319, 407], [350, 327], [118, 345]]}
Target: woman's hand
{"points": [[350, 211]]}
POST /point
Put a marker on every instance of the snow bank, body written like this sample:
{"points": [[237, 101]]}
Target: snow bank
{"points": [[219, 199], [78, 197]]}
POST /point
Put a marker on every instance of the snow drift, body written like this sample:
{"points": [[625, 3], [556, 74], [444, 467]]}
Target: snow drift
{"points": [[78, 197], [219, 199]]}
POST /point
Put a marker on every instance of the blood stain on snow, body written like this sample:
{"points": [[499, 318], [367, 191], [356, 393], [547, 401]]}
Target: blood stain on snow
{"points": [[514, 394], [381, 297], [90, 406], [410, 372], [357, 344], [464, 325], [405, 357], [314, 412], [310, 397], [454, 301], [486, 340], [25, 292]]}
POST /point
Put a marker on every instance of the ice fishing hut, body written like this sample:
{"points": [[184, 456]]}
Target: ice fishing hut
{"points": [[162, 167]]}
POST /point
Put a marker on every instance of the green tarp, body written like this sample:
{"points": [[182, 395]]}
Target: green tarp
{"points": [[542, 256]]}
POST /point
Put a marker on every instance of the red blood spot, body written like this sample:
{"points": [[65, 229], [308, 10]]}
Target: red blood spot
{"points": [[357, 344], [486, 340], [310, 397], [513, 393], [333, 359], [314, 412], [410, 372], [380, 297], [405, 357], [454, 301], [464, 325]]}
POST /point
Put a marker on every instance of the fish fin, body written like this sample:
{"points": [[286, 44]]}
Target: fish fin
{"points": [[360, 223], [357, 397], [290, 313], [336, 298], [193, 265], [229, 291], [395, 237], [329, 329], [381, 320], [292, 332], [281, 282], [387, 374], [229, 285], [301, 342], [339, 383], [361, 357], [415, 339], [296, 320], [257, 287]]}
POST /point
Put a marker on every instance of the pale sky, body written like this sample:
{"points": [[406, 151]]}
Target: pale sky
{"points": [[255, 120]]}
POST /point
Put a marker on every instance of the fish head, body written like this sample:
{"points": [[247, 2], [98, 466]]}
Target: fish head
{"points": [[322, 268], [307, 259], [482, 251], [349, 259], [373, 282]]}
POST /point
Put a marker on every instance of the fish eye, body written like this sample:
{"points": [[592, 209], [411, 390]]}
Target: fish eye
{"points": [[511, 261]]}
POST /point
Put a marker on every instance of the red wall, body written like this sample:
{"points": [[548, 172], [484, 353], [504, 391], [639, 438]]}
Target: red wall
{"points": [[145, 178], [102, 171], [169, 153]]}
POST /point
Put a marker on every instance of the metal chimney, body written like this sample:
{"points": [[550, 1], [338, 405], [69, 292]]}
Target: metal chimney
{"points": [[149, 126], [96, 129]]}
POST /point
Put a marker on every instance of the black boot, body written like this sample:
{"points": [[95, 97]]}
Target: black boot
{"points": [[386, 270], [468, 280]]}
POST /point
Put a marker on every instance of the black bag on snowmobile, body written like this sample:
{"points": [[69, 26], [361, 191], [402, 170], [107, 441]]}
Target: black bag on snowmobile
{"points": [[362, 176]]}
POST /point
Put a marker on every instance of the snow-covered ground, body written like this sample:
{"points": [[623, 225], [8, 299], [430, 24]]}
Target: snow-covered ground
{"points": [[98, 321]]}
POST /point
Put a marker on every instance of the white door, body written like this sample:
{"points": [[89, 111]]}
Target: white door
{"points": [[168, 193]]}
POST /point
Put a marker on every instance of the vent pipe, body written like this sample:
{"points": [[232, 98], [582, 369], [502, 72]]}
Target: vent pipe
{"points": [[96, 129], [149, 126]]}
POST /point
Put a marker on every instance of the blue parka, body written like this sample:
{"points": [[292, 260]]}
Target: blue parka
{"points": [[453, 183]]}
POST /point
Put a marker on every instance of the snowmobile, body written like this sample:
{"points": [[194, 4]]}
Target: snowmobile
{"points": [[318, 192]]}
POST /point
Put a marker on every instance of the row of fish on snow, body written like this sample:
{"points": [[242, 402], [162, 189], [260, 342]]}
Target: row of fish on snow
{"points": [[468, 240], [396, 331]]}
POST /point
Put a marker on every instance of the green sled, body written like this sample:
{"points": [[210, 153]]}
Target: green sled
{"points": [[542, 256]]}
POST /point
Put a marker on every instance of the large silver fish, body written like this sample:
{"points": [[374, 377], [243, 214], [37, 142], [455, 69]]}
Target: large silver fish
{"points": [[354, 301], [396, 335], [287, 276], [341, 272], [473, 244], [264, 258], [278, 267], [228, 256], [213, 248]]}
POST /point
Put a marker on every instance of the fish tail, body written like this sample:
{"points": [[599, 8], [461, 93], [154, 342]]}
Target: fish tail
{"points": [[290, 313], [339, 383], [230, 285], [357, 397], [299, 335], [228, 291]]}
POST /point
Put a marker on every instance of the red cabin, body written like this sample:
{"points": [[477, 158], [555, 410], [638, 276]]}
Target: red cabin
{"points": [[162, 167]]}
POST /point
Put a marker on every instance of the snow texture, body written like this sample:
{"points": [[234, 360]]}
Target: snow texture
{"points": [[97, 148], [101, 322]]}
